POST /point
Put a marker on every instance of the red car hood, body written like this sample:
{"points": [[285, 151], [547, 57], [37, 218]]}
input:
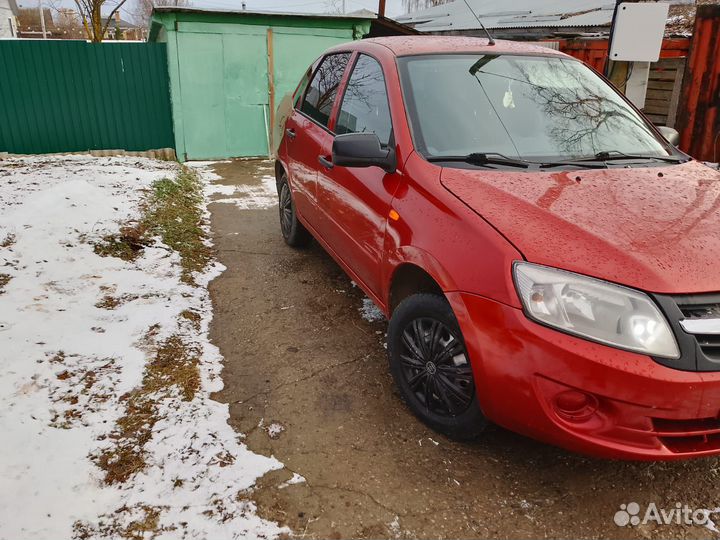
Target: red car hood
{"points": [[656, 229]]}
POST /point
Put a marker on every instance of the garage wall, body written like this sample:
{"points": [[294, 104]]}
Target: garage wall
{"points": [[218, 67]]}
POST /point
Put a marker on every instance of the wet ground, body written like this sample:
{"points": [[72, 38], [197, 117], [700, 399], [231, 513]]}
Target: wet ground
{"points": [[307, 381]]}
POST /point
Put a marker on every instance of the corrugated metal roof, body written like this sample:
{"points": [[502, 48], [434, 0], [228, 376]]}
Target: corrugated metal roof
{"points": [[524, 14], [365, 15]]}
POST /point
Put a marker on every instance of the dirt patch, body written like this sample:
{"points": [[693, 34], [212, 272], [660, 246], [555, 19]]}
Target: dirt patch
{"points": [[172, 373], [127, 244], [299, 354]]}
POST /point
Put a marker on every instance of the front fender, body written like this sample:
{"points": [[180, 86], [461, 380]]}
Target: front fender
{"points": [[401, 255]]}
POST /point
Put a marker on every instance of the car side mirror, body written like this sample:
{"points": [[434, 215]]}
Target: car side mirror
{"points": [[671, 135], [362, 150]]}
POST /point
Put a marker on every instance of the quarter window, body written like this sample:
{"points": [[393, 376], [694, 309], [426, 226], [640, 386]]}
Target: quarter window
{"points": [[302, 87], [321, 93], [365, 106]]}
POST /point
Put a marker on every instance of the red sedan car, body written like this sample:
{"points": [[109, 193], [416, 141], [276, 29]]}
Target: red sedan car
{"points": [[547, 260]]}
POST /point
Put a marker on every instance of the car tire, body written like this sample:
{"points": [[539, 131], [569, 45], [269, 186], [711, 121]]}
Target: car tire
{"points": [[431, 367], [293, 232]]}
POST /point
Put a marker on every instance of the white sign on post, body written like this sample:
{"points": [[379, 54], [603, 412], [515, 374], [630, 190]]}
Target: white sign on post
{"points": [[639, 30]]}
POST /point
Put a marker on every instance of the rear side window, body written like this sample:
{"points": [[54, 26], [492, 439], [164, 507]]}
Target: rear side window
{"points": [[321, 93], [365, 102], [301, 88]]}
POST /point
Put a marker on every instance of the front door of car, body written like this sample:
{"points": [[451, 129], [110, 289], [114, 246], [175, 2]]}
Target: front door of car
{"points": [[356, 201], [307, 133]]}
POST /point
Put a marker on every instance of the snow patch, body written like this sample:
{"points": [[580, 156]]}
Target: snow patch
{"points": [[67, 357], [253, 197], [296, 479], [219, 189], [274, 430], [370, 312]]}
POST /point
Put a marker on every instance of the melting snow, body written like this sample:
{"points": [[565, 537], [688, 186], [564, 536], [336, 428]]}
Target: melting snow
{"points": [[274, 430], [370, 312], [65, 363], [296, 479], [244, 196]]}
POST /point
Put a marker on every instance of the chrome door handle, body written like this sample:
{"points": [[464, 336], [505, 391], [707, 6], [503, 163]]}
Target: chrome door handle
{"points": [[290, 133]]}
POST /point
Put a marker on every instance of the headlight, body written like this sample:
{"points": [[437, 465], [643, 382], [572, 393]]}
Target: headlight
{"points": [[594, 309]]}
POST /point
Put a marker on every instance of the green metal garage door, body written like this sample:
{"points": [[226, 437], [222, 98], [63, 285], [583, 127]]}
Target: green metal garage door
{"points": [[218, 65], [224, 89], [224, 86]]}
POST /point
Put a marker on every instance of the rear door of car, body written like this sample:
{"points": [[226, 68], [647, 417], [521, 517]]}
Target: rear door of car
{"points": [[307, 132]]}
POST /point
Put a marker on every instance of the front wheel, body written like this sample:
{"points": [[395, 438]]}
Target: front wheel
{"points": [[431, 367], [293, 232]]}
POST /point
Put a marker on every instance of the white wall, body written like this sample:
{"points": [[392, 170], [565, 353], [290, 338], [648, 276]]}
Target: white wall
{"points": [[7, 18]]}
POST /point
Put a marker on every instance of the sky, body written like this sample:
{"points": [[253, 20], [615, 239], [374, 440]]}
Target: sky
{"points": [[393, 7]]}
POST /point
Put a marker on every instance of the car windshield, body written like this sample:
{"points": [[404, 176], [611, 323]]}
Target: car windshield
{"points": [[535, 108]]}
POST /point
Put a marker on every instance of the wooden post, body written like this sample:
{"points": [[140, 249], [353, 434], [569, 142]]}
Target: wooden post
{"points": [[618, 74], [381, 8], [271, 90], [675, 95]]}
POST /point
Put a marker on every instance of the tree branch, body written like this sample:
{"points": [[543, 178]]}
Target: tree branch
{"points": [[112, 14]]}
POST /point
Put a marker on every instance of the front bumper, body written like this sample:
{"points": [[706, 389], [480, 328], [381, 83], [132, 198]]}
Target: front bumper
{"points": [[635, 408]]}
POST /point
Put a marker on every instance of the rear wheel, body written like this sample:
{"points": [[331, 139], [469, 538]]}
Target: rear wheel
{"points": [[293, 232], [431, 367]]}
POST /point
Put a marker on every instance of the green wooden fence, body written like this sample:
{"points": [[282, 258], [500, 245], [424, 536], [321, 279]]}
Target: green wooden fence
{"points": [[67, 96]]}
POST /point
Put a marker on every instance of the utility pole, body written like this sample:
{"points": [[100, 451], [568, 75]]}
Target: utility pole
{"points": [[381, 8], [42, 19], [343, 7]]}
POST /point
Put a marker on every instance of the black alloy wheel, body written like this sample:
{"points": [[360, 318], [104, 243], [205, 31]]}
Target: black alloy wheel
{"points": [[436, 367], [431, 366]]}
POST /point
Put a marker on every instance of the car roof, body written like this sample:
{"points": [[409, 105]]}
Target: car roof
{"points": [[412, 45]]}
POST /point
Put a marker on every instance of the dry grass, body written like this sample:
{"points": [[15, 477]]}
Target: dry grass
{"points": [[173, 212], [145, 525], [4, 280], [108, 302], [193, 316], [173, 372], [80, 389], [8, 241], [111, 302]]}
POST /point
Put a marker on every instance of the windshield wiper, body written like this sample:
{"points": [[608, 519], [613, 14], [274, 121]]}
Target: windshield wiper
{"points": [[616, 155], [598, 160], [478, 158], [582, 162]]}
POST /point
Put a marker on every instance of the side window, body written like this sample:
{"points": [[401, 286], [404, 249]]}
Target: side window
{"points": [[320, 95], [300, 91], [365, 103]]}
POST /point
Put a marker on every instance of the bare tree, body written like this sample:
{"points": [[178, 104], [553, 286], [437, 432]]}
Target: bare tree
{"points": [[68, 24], [95, 24], [416, 5]]}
